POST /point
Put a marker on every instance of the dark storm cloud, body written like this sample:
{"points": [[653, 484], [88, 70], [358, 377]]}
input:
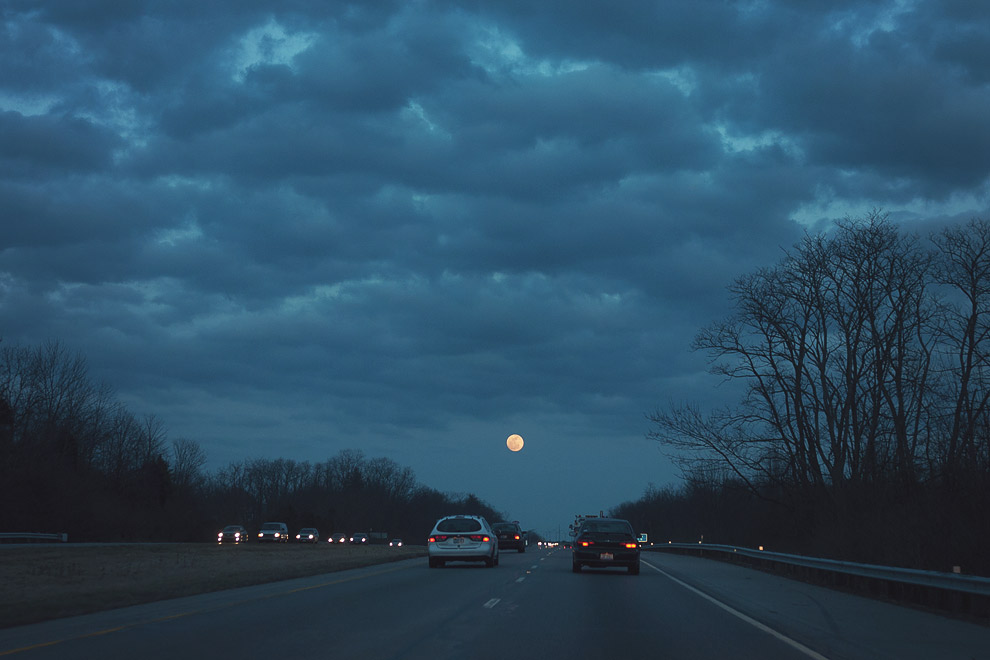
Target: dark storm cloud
{"points": [[409, 226], [33, 147]]}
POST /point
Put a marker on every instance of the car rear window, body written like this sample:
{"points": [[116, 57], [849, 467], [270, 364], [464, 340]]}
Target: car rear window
{"points": [[607, 527], [455, 525], [504, 527]]}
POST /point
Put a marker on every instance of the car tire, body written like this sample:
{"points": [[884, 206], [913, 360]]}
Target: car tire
{"points": [[575, 567], [522, 548], [434, 563], [634, 569]]}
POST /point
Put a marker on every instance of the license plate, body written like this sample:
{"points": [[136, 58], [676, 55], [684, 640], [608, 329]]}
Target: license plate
{"points": [[459, 540], [606, 556]]}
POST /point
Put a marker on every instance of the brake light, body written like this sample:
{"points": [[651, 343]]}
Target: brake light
{"points": [[480, 538], [517, 537], [631, 545], [585, 544]]}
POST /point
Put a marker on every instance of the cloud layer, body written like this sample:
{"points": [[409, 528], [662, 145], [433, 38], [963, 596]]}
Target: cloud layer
{"points": [[417, 227]]}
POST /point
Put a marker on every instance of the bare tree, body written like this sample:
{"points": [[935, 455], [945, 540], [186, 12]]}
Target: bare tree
{"points": [[153, 435], [964, 269], [833, 346], [188, 459]]}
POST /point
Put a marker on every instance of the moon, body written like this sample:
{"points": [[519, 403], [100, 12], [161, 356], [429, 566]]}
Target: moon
{"points": [[514, 442]]}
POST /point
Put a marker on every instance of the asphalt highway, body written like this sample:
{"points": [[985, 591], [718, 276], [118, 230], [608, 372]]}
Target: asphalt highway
{"points": [[531, 606]]}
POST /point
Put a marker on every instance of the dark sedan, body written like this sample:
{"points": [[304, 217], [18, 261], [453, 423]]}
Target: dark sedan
{"points": [[233, 534], [605, 543], [510, 535]]}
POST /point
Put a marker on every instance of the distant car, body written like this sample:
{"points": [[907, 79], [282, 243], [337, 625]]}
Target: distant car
{"points": [[233, 534], [274, 531], [395, 543], [359, 538], [308, 535], [339, 537], [462, 538], [510, 535], [605, 543]]}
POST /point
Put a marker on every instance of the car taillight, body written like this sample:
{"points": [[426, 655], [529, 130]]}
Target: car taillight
{"points": [[585, 544], [480, 538], [517, 537], [631, 545]]}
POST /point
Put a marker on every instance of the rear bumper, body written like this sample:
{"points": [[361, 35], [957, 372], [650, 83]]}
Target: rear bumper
{"points": [[513, 545], [594, 558], [480, 552]]}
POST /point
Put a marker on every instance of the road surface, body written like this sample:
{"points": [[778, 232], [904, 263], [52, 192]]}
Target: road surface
{"points": [[531, 606]]}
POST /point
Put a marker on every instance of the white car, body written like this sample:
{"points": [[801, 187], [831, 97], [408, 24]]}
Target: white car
{"points": [[274, 531], [308, 535], [462, 538]]}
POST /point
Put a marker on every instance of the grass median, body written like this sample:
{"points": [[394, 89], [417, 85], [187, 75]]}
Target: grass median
{"points": [[43, 582]]}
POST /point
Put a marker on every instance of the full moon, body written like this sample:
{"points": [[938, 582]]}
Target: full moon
{"points": [[514, 442]]}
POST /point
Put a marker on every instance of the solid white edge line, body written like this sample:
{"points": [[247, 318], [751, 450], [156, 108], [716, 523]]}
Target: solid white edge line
{"points": [[796, 645], [492, 603]]}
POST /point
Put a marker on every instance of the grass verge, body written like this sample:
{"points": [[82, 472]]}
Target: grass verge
{"points": [[43, 582]]}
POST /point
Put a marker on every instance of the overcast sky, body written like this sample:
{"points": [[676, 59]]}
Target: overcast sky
{"points": [[416, 227]]}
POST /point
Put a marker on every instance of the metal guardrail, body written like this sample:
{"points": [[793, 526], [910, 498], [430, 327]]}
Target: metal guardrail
{"points": [[947, 592], [32, 537]]}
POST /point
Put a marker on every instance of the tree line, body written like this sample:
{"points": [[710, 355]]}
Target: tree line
{"points": [[861, 428], [73, 459]]}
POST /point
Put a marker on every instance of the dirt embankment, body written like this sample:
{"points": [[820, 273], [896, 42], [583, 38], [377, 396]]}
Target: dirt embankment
{"points": [[42, 582]]}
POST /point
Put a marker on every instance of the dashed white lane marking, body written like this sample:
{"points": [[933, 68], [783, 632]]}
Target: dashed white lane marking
{"points": [[492, 603], [796, 645], [521, 579]]}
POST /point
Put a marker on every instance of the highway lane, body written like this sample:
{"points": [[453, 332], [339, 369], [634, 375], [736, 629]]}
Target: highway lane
{"points": [[678, 607]]}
